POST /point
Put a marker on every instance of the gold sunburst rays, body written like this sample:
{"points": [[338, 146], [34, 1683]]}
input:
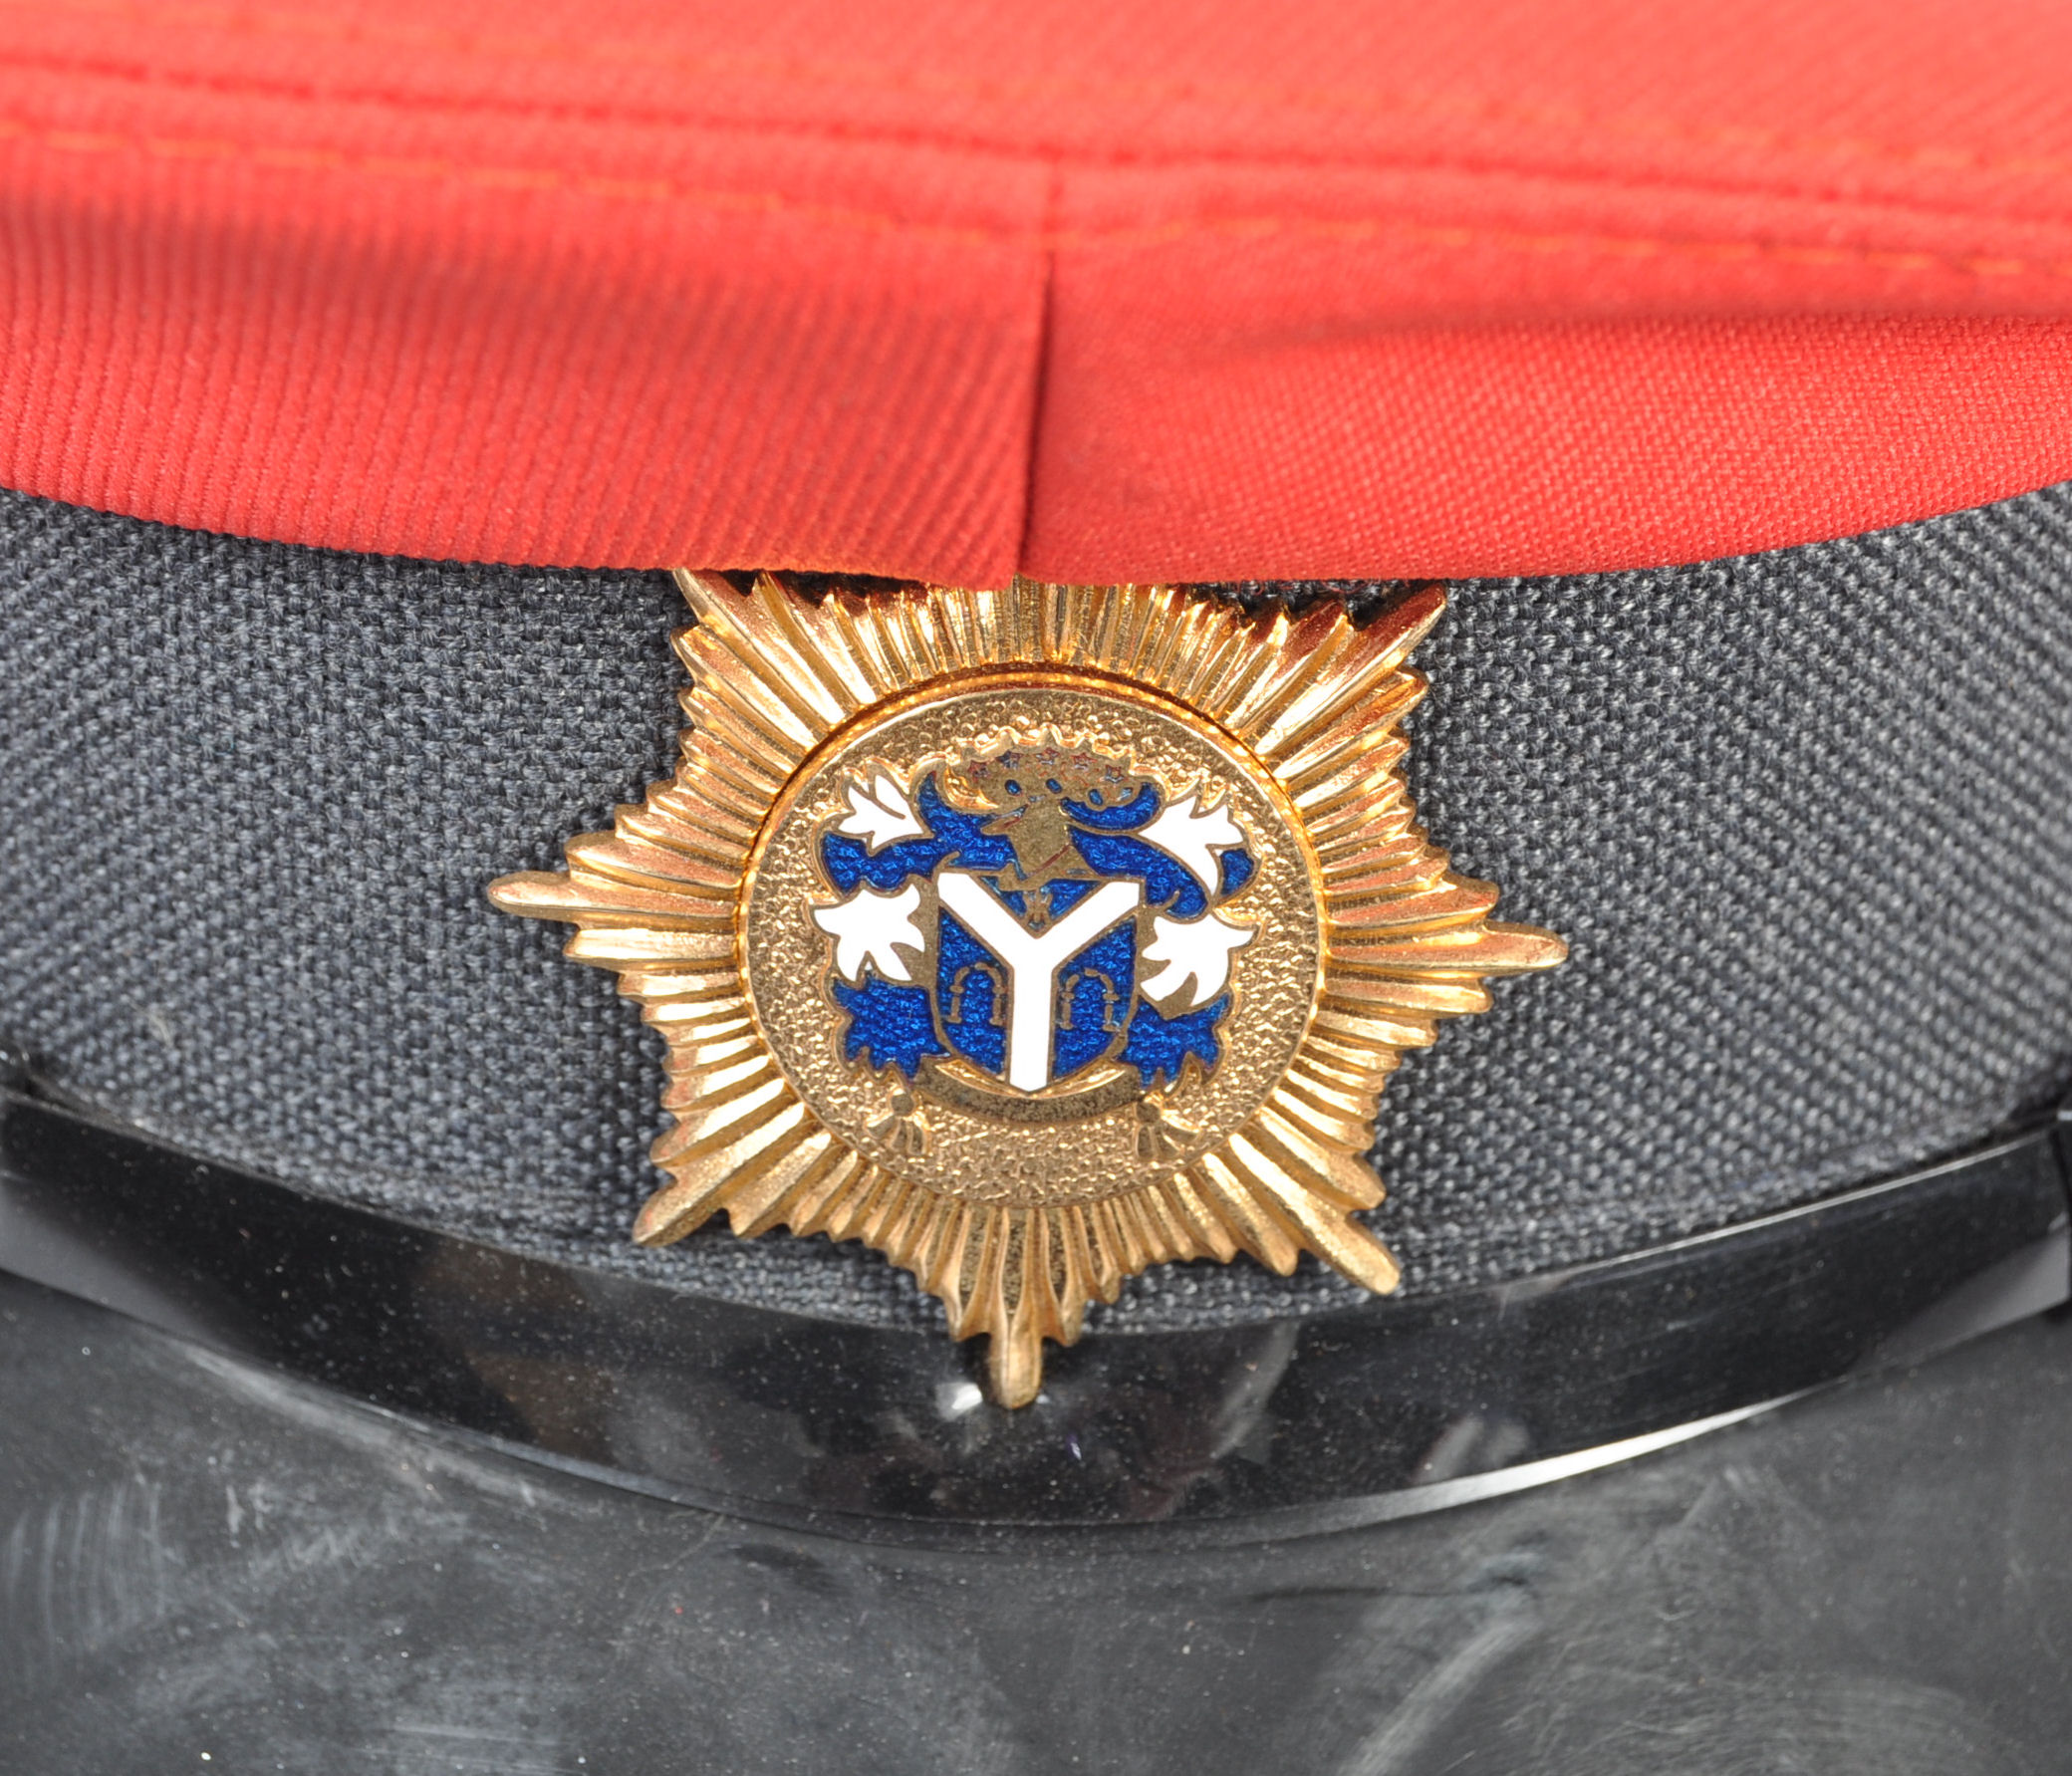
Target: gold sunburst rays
{"points": [[1311, 705]]}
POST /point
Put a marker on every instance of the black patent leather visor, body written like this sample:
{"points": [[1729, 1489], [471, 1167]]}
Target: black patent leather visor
{"points": [[1381, 1411]]}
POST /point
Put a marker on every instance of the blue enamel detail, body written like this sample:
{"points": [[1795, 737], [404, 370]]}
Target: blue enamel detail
{"points": [[970, 996], [1066, 894], [1237, 868], [1156, 1046], [889, 1026], [1095, 990], [1166, 886]]}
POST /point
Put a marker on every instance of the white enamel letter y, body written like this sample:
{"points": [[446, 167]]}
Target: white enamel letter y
{"points": [[1032, 959]]}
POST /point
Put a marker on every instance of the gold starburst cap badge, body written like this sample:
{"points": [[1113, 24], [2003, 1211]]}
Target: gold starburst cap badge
{"points": [[1033, 938]]}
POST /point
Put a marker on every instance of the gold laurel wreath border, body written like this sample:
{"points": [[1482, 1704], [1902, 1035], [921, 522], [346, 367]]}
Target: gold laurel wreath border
{"points": [[1317, 703]]}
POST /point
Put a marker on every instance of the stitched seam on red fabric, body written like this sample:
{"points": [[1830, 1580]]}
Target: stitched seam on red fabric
{"points": [[538, 179], [438, 104], [1053, 197], [480, 46]]}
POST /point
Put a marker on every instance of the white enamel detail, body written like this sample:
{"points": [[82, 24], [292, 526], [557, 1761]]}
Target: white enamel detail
{"points": [[1191, 835], [1196, 950], [1032, 959], [874, 927], [880, 815]]}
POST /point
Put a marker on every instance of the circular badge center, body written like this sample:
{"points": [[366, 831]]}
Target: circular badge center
{"points": [[1032, 941]]}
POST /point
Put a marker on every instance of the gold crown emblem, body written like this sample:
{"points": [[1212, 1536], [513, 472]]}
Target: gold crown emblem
{"points": [[1034, 936]]}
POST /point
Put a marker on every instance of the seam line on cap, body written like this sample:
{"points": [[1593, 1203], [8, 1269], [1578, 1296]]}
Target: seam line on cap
{"points": [[261, 23], [548, 179]]}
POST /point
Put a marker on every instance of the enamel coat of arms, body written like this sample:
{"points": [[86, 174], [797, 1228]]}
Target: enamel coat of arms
{"points": [[1033, 936]]}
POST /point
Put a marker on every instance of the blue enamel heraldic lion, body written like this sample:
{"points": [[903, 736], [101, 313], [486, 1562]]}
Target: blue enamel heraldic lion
{"points": [[1033, 915]]}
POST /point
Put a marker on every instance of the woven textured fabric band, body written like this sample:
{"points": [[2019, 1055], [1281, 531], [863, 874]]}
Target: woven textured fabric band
{"points": [[1800, 816]]}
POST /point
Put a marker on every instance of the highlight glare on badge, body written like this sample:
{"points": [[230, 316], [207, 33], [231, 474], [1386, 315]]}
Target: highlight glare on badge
{"points": [[1033, 936]]}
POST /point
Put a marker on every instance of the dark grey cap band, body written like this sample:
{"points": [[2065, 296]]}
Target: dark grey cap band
{"points": [[1802, 818]]}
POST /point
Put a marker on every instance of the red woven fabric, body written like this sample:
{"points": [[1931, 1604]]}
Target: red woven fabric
{"points": [[1092, 288]]}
